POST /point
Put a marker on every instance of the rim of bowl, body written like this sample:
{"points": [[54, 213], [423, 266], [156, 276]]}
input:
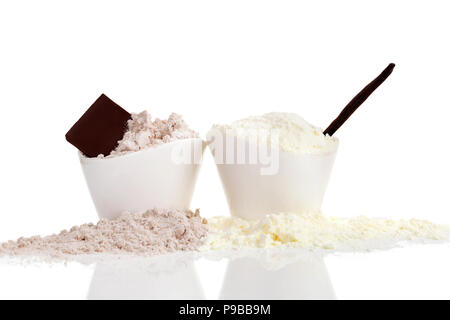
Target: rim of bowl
{"points": [[83, 158]]}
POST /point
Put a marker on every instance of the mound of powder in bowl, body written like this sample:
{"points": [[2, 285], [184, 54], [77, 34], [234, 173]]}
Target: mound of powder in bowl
{"points": [[144, 133], [290, 132], [153, 232]]}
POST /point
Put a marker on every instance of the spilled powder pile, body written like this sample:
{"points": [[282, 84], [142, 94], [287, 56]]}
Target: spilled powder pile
{"points": [[165, 231], [316, 231], [153, 232], [144, 133]]}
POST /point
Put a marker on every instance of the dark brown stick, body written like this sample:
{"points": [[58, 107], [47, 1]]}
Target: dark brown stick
{"points": [[358, 100]]}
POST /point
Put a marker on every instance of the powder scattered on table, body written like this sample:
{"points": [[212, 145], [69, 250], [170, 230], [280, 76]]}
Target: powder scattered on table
{"points": [[318, 232], [154, 232], [159, 232]]}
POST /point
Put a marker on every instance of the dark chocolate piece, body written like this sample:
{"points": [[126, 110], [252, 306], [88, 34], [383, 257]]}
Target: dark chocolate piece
{"points": [[358, 100], [100, 127]]}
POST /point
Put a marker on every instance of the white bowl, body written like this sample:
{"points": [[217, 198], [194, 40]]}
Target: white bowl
{"points": [[147, 179], [298, 185]]}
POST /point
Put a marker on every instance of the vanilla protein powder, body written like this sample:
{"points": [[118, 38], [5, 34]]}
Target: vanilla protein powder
{"points": [[144, 133], [287, 130], [316, 231], [150, 233]]}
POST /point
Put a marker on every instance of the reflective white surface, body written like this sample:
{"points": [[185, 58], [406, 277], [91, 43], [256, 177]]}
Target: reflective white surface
{"points": [[403, 273], [110, 282], [247, 278]]}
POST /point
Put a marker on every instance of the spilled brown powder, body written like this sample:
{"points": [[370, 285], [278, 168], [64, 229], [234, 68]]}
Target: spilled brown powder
{"points": [[153, 232]]}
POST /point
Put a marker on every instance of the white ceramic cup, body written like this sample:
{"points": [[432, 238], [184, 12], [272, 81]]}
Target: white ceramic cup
{"points": [[159, 177], [298, 185]]}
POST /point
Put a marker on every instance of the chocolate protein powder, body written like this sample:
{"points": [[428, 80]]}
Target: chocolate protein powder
{"points": [[156, 231]]}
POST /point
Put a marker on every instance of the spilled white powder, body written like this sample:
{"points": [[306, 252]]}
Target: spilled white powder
{"points": [[144, 133], [153, 232], [318, 232], [289, 131]]}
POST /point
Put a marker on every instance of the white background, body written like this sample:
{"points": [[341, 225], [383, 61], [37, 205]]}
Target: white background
{"points": [[215, 61]]}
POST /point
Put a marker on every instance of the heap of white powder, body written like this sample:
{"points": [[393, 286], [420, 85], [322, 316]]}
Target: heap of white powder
{"points": [[153, 232], [144, 133], [289, 131], [315, 231]]}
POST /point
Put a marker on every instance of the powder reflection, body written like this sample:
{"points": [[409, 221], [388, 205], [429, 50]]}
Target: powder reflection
{"points": [[253, 278], [163, 277]]}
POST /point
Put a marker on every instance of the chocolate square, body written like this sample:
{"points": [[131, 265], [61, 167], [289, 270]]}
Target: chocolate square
{"points": [[100, 127]]}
